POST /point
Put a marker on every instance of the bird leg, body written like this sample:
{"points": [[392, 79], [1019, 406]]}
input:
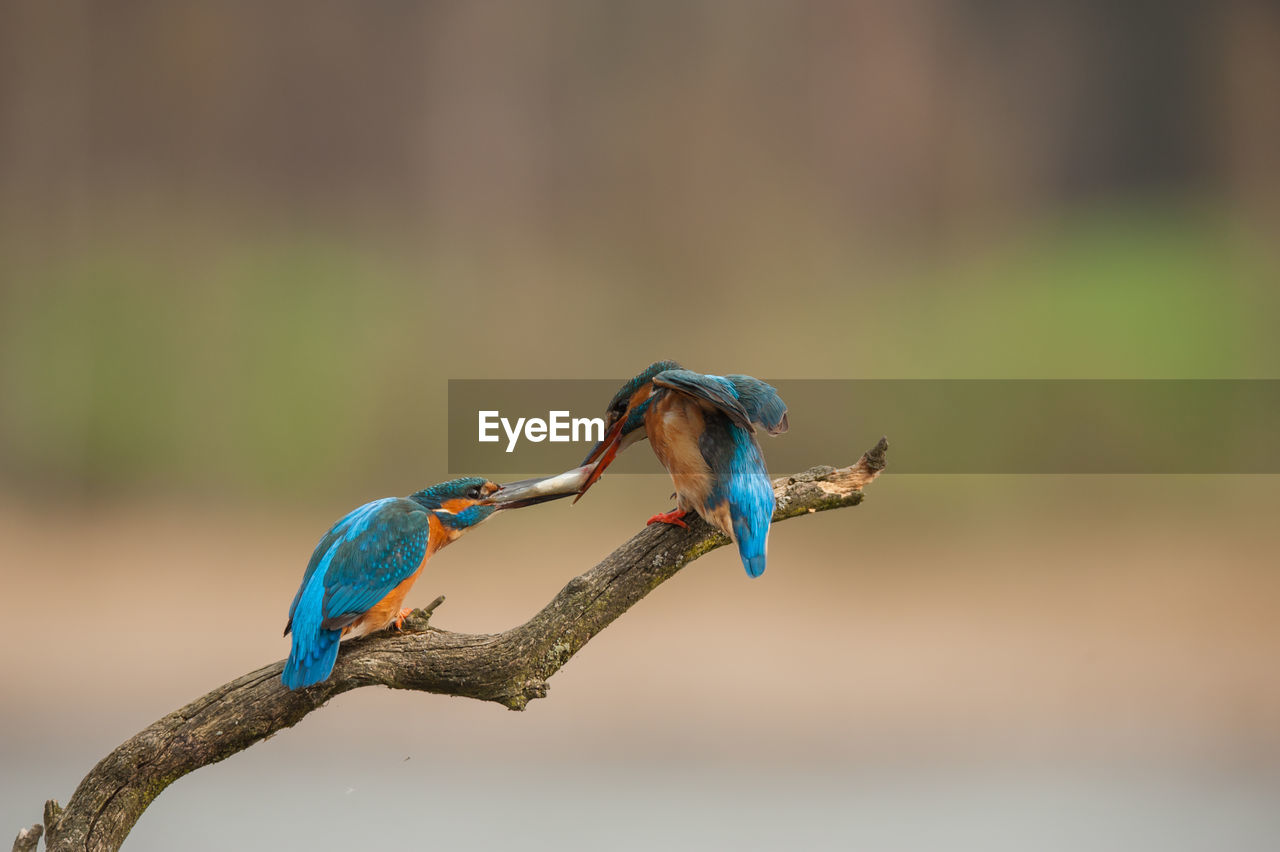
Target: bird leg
{"points": [[672, 517]]}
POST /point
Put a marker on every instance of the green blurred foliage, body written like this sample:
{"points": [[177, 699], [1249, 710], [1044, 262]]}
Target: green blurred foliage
{"points": [[294, 364], [245, 247], [246, 371], [1149, 292]]}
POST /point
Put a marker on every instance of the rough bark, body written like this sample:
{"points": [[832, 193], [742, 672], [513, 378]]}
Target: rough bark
{"points": [[510, 668]]}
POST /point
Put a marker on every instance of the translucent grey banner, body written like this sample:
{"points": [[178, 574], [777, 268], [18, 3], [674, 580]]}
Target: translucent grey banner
{"points": [[934, 426]]}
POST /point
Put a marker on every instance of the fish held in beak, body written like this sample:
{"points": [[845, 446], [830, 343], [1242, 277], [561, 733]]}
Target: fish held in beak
{"points": [[529, 492]]}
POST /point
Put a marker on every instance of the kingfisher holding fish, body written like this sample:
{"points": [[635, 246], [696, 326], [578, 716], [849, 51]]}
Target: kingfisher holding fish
{"points": [[702, 429], [365, 564]]}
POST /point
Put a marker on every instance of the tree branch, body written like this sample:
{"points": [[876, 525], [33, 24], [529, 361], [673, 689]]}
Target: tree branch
{"points": [[510, 668]]}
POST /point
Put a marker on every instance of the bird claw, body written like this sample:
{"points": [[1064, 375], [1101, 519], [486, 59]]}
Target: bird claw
{"points": [[672, 517], [415, 620]]}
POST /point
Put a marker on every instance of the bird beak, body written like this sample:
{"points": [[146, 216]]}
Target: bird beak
{"points": [[528, 492], [602, 454]]}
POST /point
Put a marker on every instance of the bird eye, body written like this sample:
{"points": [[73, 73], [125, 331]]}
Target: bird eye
{"points": [[475, 492]]}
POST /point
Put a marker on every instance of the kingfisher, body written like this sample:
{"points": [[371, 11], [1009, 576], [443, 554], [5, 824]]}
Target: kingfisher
{"points": [[365, 564], [702, 429]]}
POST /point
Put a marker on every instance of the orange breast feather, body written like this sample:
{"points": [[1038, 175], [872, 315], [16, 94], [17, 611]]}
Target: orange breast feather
{"points": [[674, 424]]}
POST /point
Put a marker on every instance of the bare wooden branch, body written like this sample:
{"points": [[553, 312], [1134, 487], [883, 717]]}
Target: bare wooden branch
{"points": [[28, 839], [510, 668]]}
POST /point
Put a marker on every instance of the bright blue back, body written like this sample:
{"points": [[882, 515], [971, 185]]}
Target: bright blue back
{"points": [[750, 496], [356, 564]]}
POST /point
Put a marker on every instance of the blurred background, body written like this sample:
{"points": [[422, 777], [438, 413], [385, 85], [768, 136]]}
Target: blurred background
{"points": [[245, 246]]}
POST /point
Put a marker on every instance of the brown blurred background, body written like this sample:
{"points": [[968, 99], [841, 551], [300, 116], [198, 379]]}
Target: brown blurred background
{"points": [[246, 245]]}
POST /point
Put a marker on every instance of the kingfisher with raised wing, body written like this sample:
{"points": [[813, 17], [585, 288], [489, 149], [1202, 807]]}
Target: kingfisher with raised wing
{"points": [[703, 430], [365, 564]]}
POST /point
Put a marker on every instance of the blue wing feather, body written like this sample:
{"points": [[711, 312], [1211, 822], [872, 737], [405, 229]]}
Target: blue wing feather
{"points": [[762, 403], [740, 479], [356, 564], [745, 399], [750, 496], [326, 542], [716, 390]]}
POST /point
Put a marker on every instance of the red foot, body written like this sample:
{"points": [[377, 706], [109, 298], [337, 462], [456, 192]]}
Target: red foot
{"points": [[400, 617], [672, 517]]}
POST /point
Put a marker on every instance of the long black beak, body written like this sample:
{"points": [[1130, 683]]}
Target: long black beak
{"points": [[594, 454], [528, 492]]}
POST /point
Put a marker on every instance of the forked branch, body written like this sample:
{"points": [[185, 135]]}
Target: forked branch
{"points": [[510, 668]]}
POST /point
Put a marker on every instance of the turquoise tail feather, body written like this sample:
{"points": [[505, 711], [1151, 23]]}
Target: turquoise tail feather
{"points": [[753, 556], [752, 535], [311, 661]]}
